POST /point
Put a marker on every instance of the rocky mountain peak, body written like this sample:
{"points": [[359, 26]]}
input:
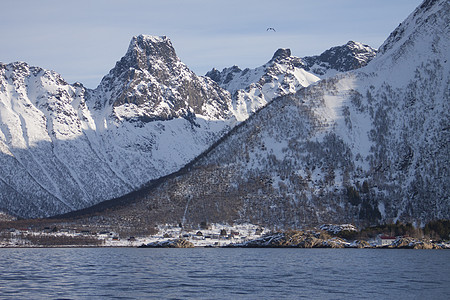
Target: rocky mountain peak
{"points": [[350, 56], [151, 83], [281, 53], [143, 47], [145, 53], [224, 76]]}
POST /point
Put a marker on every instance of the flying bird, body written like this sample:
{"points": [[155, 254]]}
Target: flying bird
{"points": [[271, 29]]}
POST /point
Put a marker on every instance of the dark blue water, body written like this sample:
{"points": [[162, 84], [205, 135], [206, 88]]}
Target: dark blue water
{"points": [[129, 273]]}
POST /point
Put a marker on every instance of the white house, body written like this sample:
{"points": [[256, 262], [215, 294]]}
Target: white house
{"points": [[384, 240]]}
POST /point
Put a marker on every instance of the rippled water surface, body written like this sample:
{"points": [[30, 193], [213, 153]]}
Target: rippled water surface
{"points": [[130, 273]]}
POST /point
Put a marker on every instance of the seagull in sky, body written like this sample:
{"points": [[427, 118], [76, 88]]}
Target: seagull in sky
{"points": [[271, 29]]}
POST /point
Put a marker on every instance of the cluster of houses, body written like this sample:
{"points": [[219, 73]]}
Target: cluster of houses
{"points": [[211, 236]]}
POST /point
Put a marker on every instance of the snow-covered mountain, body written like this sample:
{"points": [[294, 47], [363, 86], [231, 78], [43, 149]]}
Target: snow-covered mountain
{"points": [[65, 147], [285, 74], [369, 145], [365, 146]]}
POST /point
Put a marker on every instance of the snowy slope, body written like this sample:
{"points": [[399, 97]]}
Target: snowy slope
{"points": [[362, 147]]}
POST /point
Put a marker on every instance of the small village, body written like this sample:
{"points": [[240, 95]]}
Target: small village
{"points": [[51, 236], [210, 235]]}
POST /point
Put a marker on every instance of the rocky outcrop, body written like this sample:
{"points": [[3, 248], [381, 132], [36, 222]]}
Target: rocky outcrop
{"points": [[281, 54]]}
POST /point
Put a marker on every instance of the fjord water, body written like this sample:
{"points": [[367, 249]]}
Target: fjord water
{"points": [[131, 273]]}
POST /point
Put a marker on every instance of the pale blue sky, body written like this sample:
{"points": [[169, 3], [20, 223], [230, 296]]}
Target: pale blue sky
{"points": [[83, 39]]}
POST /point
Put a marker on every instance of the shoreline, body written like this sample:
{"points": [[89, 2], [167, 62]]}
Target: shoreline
{"points": [[217, 236], [216, 247]]}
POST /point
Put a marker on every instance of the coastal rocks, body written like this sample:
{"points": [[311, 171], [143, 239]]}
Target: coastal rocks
{"points": [[295, 239], [410, 243], [362, 244], [335, 243], [178, 243], [321, 239]]}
